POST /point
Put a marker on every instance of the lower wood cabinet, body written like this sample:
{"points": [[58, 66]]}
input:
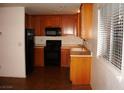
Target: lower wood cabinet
{"points": [[39, 56], [80, 70], [65, 57]]}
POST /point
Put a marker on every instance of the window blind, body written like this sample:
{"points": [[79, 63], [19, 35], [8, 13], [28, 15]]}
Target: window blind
{"points": [[117, 34], [104, 31], [110, 34]]}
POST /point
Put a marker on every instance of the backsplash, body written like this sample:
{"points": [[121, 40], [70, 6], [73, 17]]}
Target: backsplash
{"points": [[66, 40]]}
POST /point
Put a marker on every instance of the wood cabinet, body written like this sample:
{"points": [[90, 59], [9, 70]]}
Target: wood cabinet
{"points": [[65, 57], [86, 20], [39, 56], [68, 23], [36, 22], [52, 21], [80, 69], [36, 25], [26, 21], [79, 25]]}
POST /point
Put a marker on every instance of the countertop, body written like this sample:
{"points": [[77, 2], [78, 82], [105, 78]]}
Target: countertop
{"points": [[84, 53], [65, 46], [39, 45]]}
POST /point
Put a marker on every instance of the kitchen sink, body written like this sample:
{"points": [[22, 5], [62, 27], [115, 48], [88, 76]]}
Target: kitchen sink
{"points": [[76, 49], [79, 49]]}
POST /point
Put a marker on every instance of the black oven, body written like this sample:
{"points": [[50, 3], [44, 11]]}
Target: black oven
{"points": [[53, 31]]}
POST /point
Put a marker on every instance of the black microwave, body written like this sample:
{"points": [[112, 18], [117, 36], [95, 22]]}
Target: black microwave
{"points": [[53, 31]]}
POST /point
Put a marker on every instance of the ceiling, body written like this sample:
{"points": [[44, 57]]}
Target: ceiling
{"points": [[47, 8]]}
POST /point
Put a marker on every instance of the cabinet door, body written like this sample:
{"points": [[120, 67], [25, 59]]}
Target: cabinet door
{"points": [[39, 56], [52, 21], [86, 21], [80, 70], [36, 25], [69, 24], [65, 57], [28, 21]]}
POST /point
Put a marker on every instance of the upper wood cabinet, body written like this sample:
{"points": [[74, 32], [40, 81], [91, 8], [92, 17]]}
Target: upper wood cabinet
{"points": [[36, 23], [26, 20], [68, 23], [33, 23], [52, 21], [86, 20]]}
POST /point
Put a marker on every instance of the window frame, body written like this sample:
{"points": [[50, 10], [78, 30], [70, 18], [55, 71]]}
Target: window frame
{"points": [[99, 47]]}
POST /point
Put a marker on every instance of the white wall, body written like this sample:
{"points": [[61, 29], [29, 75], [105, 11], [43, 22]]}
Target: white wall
{"points": [[12, 54], [66, 40], [104, 75]]}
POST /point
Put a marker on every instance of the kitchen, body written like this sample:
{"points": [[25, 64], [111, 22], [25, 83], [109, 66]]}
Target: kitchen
{"points": [[65, 48], [42, 54], [50, 30]]}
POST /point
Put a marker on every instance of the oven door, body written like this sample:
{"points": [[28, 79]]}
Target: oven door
{"points": [[52, 56]]}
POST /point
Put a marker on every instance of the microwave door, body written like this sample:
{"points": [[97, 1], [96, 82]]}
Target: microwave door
{"points": [[51, 33]]}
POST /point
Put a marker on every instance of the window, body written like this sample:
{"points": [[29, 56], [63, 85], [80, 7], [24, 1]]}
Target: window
{"points": [[110, 33]]}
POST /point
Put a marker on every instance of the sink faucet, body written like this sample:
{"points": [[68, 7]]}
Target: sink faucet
{"points": [[84, 41]]}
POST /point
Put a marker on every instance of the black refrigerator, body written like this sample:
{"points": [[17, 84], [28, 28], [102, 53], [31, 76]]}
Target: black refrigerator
{"points": [[29, 50]]}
